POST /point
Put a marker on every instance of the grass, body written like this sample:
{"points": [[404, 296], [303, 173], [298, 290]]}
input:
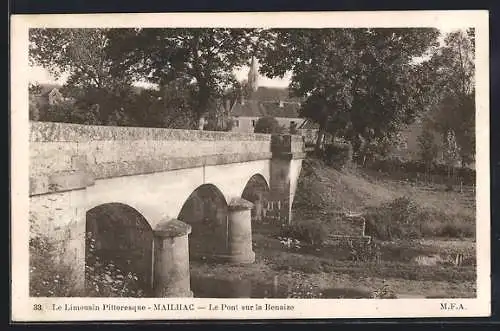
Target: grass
{"points": [[323, 188], [392, 209], [404, 218]]}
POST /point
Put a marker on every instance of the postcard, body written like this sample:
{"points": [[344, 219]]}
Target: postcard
{"points": [[287, 165]]}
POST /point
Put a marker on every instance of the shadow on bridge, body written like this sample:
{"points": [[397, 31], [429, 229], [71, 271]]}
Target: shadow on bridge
{"points": [[206, 211], [121, 244], [257, 192], [118, 250]]}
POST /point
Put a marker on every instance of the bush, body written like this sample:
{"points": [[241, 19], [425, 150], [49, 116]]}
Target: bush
{"points": [[52, 277], [403, 219], [397, 219], [364, 252], [105, 279], [229, 125], [338, 154], [267, 125], [214, 125], [428, 148], [451, 227], [48, 276], [311, 232]]}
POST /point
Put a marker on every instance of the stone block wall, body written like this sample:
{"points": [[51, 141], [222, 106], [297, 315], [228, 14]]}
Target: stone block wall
{"points": [[106, 152], [348, 226]]}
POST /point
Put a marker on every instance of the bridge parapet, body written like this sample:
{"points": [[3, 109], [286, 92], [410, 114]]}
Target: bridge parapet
{"points": [[52, 131], [105, 152]]}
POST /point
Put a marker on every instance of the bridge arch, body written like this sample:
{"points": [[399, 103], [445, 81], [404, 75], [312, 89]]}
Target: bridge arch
{"points": [[119, 241], [257, 192], [206, 210]]}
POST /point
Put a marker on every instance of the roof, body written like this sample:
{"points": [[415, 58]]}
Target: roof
{"points": [[308, 125], [266, 101], [264, 93], [253, 108], [47, 88]]}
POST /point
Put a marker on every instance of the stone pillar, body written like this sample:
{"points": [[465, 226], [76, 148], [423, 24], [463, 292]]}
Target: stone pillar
{"points": [[171, 259], [240, 232], [280, 176], [286, 150], [75, 249], [65, 195]]}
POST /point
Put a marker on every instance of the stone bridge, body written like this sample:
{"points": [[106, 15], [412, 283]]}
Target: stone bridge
{"points": [[170, 185]]}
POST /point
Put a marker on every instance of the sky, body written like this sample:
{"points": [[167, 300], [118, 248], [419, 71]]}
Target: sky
{"points": [[42, 76]]}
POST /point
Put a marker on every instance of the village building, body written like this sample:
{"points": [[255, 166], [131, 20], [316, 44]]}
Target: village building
{"points": [[47, 95], [264, 101], [309, 130]]}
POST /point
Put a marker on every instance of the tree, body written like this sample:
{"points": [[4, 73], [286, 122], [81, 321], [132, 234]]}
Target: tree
{"points": [[81, 54], [452, 82], [34, 90], [167, 107], [358, 83], [267, 125], [204, 57], [428, 147], [220, 118], [101, 92]]}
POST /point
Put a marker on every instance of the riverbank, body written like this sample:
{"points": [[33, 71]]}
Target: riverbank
{"points": [[433, 261]]}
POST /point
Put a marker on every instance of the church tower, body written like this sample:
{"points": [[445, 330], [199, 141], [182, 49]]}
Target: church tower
{"points": [[253, 76]]}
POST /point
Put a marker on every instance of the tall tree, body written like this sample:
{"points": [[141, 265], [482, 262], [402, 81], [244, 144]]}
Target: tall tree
{"points": [[358, 83], [453, 80], [204, 57], [168, 107], [81, 55], [102, 93]]}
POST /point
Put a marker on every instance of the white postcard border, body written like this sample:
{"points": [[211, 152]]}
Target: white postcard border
{"points": [[22, 304]]}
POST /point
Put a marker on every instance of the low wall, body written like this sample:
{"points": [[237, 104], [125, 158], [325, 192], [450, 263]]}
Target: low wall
{"points": [[65, 154], [288, 144]]}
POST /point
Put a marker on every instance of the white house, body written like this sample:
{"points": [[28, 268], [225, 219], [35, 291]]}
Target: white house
{"points": [[262, 102]]}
